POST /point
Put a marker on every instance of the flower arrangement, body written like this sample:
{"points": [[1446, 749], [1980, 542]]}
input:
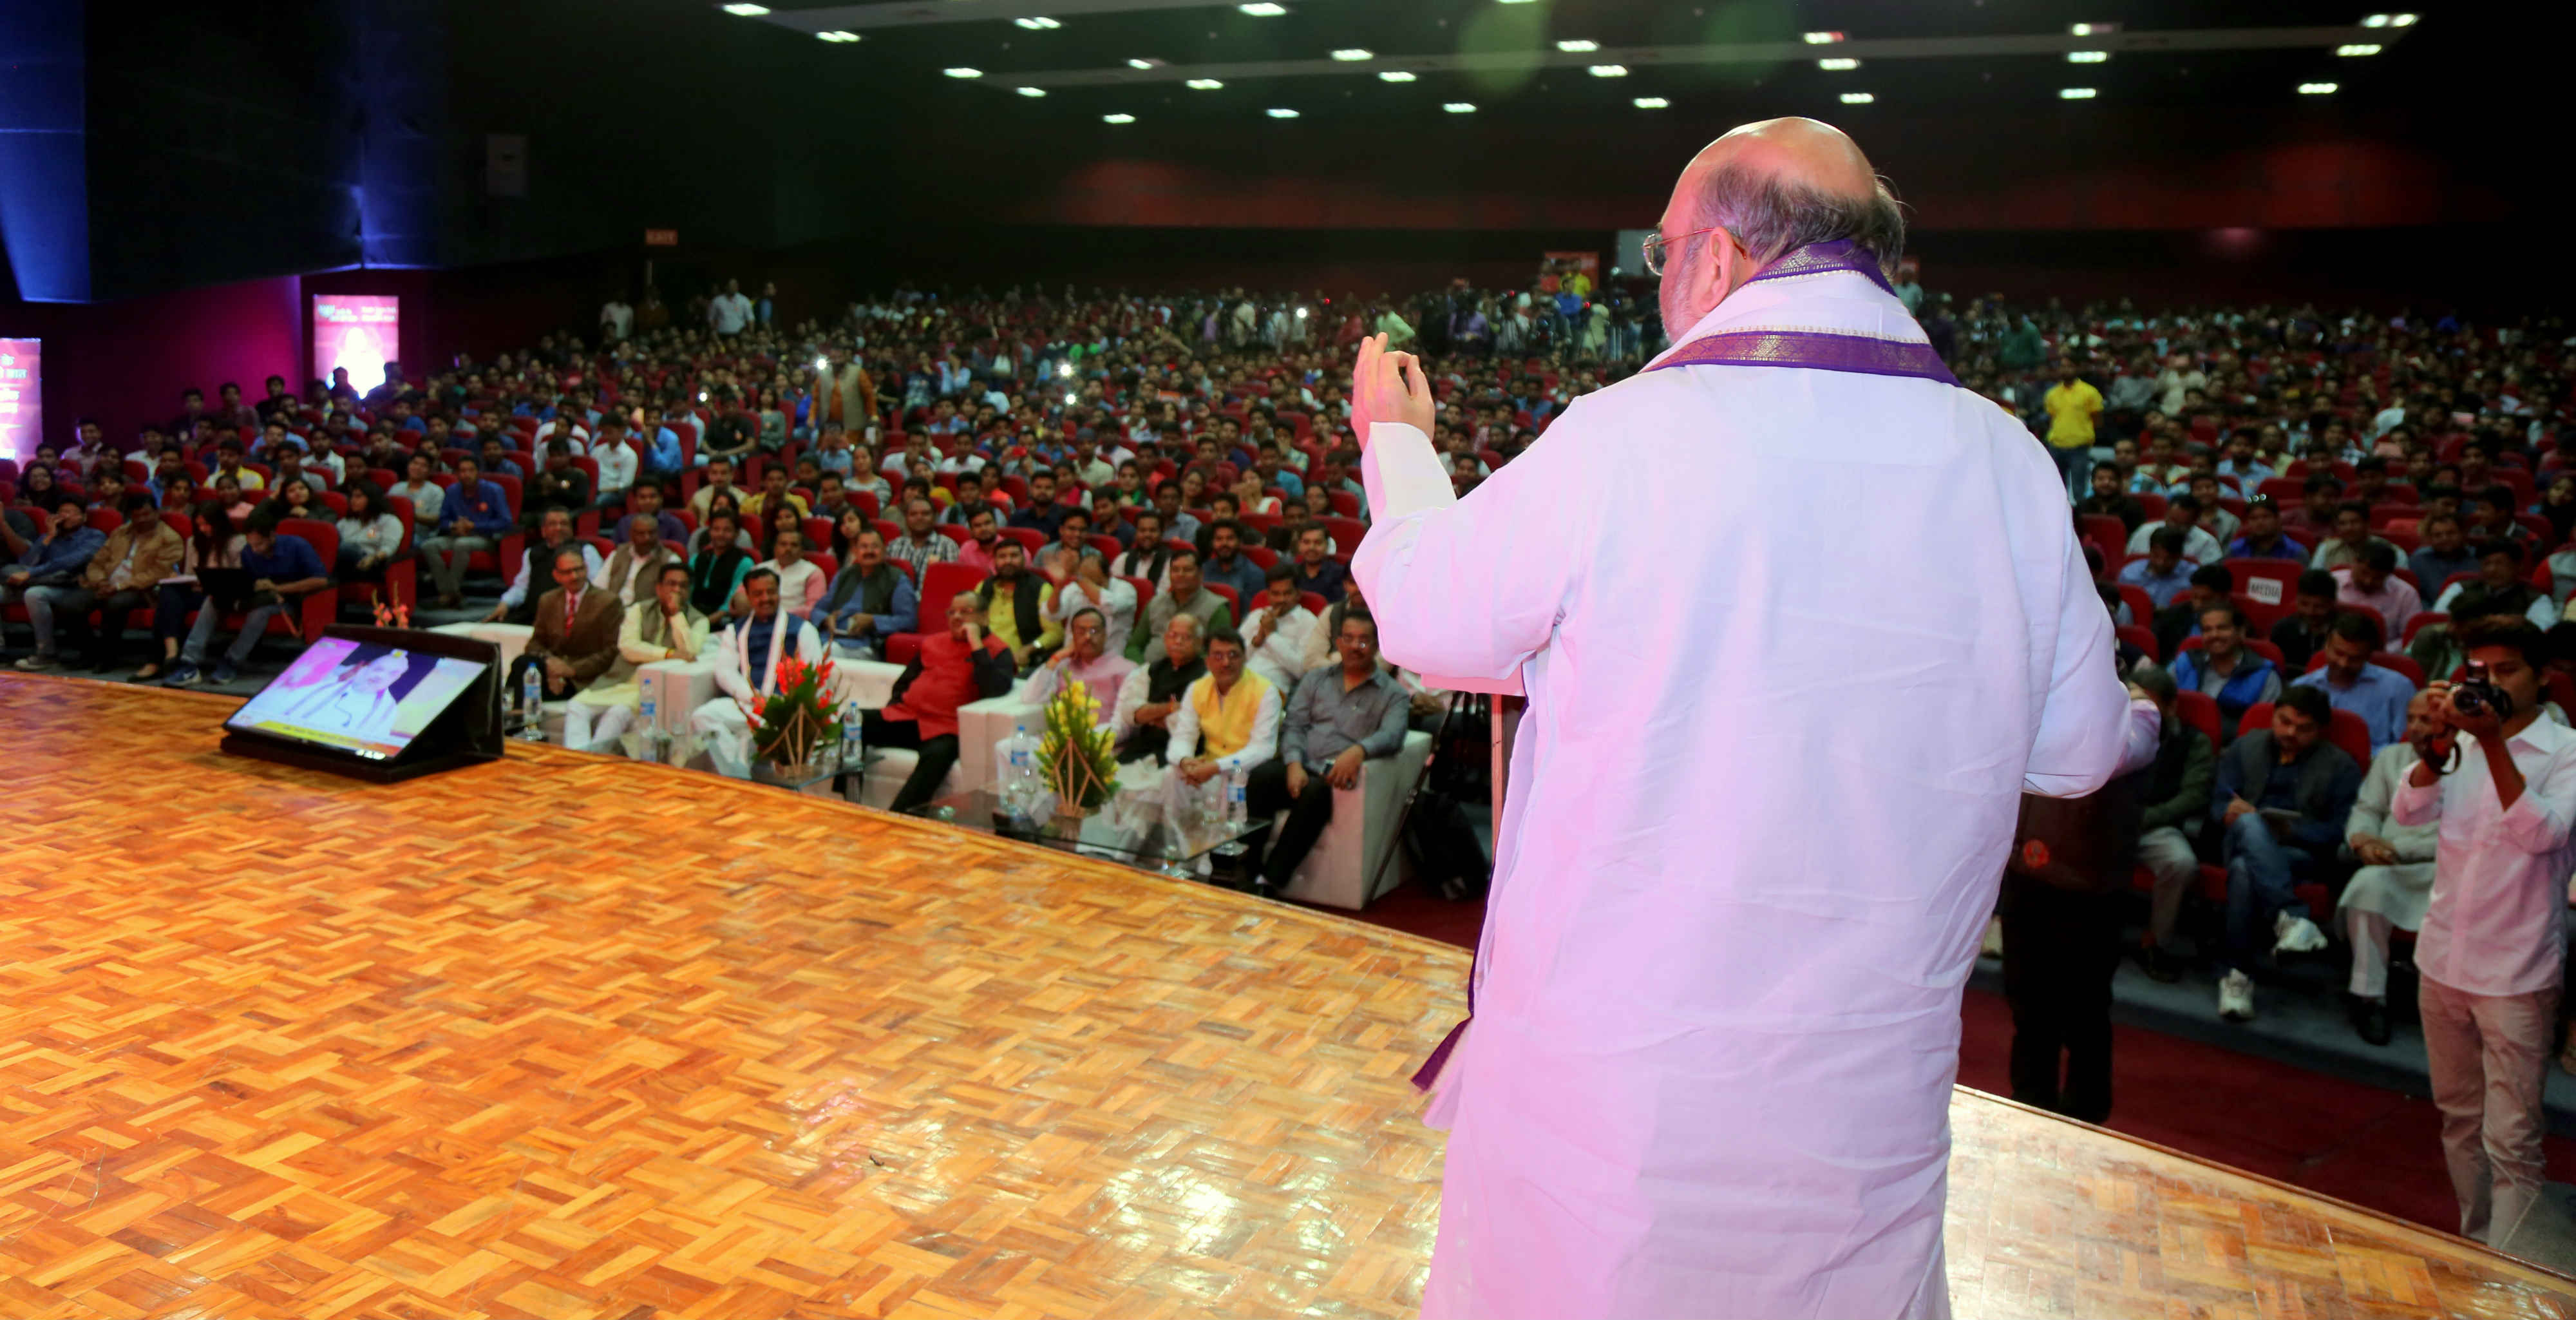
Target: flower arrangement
{"points": [[1077, 758], [397, 617], [790, 723]]}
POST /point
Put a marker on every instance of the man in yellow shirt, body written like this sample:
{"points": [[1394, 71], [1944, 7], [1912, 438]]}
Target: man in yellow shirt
{"points": [[2073, 407]]}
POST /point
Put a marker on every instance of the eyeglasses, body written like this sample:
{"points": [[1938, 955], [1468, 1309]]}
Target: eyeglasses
{"points": [[1655, 243]]}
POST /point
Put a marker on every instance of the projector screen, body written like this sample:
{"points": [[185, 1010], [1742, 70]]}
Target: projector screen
{"points": [[364, 698], [22, 397], [359, 331]]}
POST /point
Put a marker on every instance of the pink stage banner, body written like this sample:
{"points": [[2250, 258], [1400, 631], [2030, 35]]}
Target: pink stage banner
{"points": [[22, 397], [361, 332]]}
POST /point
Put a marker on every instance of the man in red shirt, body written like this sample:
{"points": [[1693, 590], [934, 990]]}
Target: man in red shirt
{"points": [[960, 665]]}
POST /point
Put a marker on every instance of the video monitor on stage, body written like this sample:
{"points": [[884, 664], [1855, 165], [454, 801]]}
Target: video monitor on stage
{"points": [[377, 703]]}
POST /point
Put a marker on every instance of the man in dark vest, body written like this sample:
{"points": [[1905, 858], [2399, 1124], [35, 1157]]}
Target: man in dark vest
{"points": [[2280, 803], [1154, 692], [1015, 603], [870, 601]]}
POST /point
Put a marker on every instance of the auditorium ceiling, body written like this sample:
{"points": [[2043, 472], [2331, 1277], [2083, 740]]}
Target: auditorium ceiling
{"points": [[1136, 63]]}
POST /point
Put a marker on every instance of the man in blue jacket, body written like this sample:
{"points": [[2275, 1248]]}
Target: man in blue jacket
{"points": [[2280, 805], [474, 515], [2225, 668]]}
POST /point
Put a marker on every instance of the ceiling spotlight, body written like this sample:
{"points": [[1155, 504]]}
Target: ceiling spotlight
{"points": [[1353, 54], [1203, 84], [1578, 46], [2358, 48], [1469, 107], [1030, 91], [2075, 93], [1118, 119], [2369, 20], [2093, 29], [1038, 24], [1609, 70], [2087, 56], [1650, 103], [1857, 98], [1837, 66], [2316, 89], [1281, 112], [1823, 38], [746, 11], [1263, 9], [1395, 75], [1144, 64], [836, 36], [963, 72]]}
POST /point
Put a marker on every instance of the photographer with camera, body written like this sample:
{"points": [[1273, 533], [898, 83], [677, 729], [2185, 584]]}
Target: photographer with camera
{"points": [[2489, 953]]}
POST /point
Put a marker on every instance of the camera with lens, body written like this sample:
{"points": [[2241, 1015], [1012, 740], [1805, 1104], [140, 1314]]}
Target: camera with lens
{"points": [[2477, 694]]}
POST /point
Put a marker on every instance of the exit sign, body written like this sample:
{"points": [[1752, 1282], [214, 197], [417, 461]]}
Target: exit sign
{"points": [[661, 238]]}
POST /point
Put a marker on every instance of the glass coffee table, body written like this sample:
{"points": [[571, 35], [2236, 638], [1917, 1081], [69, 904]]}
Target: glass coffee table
{"points": [[1143, 832]]}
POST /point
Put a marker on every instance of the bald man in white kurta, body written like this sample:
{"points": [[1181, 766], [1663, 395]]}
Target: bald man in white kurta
{"points": [[1799, 620]]}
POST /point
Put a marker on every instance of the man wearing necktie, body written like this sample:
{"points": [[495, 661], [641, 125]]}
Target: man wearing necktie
{"points": [[574, 639]]}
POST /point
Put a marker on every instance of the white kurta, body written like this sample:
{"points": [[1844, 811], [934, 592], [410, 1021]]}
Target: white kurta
{"points": [[1784, 698]]}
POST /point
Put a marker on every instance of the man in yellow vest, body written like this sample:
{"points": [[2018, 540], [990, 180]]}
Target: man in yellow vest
{"points": [[1228, 720]]}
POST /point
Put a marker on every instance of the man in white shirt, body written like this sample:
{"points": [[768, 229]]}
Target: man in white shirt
{"points": [[729, 311], [1278, 628], [617, 462], [2395, 878], [616, 318], [2182, 513], [2490, 951], [1090, 587]]}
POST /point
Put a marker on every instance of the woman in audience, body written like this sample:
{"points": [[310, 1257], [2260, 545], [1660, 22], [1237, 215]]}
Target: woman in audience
{"points": [[295, 499], [213, 547], [717, 562], [784, 518], [845, 531], [36, 485], [1250, 498], [773, 421], [370, 535]]}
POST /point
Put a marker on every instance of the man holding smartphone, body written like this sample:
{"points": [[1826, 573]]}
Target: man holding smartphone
{"points": [[2489, 951]]}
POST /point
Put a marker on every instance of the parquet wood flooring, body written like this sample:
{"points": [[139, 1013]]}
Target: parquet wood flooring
{"points": [[571, 1036]]}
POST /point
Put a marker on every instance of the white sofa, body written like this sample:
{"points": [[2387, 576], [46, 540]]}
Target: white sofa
{"points": [[1337, 872], [871, 684]]}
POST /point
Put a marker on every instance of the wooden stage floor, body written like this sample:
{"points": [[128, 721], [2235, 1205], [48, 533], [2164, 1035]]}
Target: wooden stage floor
{"points": [[572, 1036]]}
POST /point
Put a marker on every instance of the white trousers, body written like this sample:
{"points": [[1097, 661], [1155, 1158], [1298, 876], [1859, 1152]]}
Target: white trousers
{"points": [[726, 733], [2369, 932], [590, 728]]}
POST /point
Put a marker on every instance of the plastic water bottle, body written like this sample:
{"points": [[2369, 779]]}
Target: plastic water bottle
{"points": [[1237, 783], [532, 702], [851, 751], [1017, 759], [651, 706]]}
